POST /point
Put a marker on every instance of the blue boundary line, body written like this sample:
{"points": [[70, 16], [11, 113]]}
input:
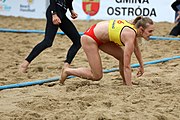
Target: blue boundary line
{"points": [[81, 33], [164, 38], [30, 31], [39, 82]]}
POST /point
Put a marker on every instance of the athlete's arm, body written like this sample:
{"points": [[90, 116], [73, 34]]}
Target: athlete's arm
{"points": [[53, 6], [174, 5], [74, 15], [128, 50], [55, 18], [137, 53], [70, 5]]}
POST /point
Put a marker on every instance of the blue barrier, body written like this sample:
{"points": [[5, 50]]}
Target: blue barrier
{"points": [[39, 82], [163, 38], [30, 31], [81, 33]]}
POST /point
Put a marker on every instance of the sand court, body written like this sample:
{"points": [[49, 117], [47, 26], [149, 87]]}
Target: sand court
{"points": [[155, 97]]}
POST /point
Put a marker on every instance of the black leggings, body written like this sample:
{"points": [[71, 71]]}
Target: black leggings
{"points": [[176, 30], [67, 27]]}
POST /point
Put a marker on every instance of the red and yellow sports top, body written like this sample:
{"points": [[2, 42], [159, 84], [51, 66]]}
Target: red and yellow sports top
{"points": [[115, 29]]}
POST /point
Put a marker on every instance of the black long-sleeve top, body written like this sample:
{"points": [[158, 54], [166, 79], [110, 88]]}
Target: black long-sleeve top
{"points": [[175, 4], [65, 4]]}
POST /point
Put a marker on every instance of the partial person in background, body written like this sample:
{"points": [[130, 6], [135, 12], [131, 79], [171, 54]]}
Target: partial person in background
{"points": [[56, 18], [110, 36], [176, 7]]}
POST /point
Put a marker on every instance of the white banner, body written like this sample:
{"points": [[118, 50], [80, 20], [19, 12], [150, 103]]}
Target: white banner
{"points": [[158, 10], [23, 8]]}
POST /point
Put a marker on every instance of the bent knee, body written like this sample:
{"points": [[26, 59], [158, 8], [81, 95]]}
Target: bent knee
{"points": [[84, 39], [77, 44], [49, 45]]}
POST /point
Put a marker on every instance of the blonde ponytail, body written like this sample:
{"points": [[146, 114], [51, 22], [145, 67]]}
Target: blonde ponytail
{"points": [[142, 21], [137, 19]]}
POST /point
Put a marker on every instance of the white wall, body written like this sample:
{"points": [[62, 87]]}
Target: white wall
{"points": [[158, 10]]}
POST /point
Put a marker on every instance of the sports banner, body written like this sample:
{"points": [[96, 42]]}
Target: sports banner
{"points": [[158, 10], [23, 8]]}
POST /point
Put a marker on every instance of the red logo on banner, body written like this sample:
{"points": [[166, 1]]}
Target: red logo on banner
{"points": [[90, 7]]}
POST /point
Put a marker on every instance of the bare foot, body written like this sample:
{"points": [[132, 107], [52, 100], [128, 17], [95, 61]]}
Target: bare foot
{"points": [[23, 67], [66, 65], [63, 75]]}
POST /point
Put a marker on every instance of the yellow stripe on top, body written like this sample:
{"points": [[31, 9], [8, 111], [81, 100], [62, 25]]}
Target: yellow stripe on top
{"points": [[115, 28]]}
